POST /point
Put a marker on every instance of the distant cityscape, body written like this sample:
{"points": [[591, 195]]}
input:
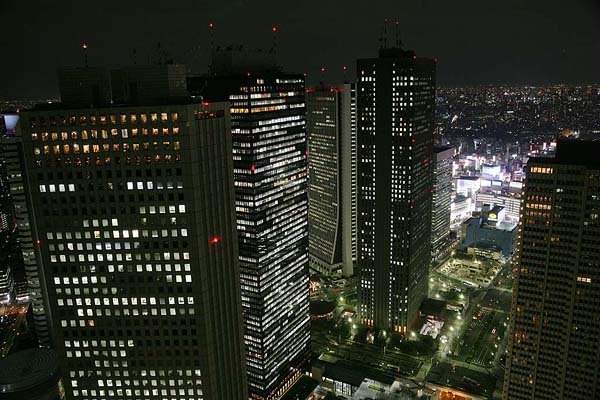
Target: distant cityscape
{"points": [[243, 234]]}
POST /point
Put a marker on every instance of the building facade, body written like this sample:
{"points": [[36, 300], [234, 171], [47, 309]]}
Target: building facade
{"points": [[553, 347], [32, 290], [332, 178], [512, 203], [133, 228], [395, 120], [440, 210], [268, 126]]}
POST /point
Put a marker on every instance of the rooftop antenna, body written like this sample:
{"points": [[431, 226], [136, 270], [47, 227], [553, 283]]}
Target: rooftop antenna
{"points": [[134, 56], [385, 33], [274, 30], [398, 41], [211, 30], [84, 47]]}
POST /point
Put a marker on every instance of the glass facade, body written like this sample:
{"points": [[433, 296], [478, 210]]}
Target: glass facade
{"points": [[270, 170], [440, 211], [331, 169]]}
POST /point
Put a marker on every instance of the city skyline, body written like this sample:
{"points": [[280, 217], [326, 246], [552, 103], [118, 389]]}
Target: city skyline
{"points": [[512, 42], [305, 201]]}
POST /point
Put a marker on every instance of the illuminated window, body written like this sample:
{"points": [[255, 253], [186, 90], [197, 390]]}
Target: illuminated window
{"points": [[153, 117], [164, 117]]}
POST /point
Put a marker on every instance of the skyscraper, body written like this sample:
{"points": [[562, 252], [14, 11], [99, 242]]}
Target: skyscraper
{"points": [[555, 318], [442, 193], [12, 152], [131, 211], [332, 178], [396, 102], [268, 119]]}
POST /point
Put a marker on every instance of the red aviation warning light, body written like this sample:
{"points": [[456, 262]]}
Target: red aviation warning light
{"points": [[38, 242], [322, 69], [211, 25], [214, 240], [84, 46], [274, 29]]}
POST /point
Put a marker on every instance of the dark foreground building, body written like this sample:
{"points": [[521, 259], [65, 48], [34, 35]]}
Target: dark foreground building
{"points": [[133, 225], [395, 119], [268, 119], [554, 347], [33, 374]]}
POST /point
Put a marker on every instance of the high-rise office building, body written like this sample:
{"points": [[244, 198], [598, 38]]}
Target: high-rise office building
{"points": [[268, 125], [132, 216], [442, 197], [8, 123], [553, 347], [332, 178], [12, 152], [395, 117]]}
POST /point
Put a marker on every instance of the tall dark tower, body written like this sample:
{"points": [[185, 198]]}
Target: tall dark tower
{"points": [[395, 117], [554, 347], [268, 118]]}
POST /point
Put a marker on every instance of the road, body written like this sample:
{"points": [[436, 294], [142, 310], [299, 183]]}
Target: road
{"points": [[11, 318]]}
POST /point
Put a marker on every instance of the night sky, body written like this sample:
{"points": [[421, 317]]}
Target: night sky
{"points": [[475, 41]]}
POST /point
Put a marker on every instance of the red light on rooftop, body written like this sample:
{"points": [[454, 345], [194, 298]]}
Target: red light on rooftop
{"points": [[38, 242], [211, 25], [344, 68], [274, 29], [322, 69], [214, 240], [415, 57], [84, 46], [412, 206], [397, 23], [205, 103], [247, 73]]}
